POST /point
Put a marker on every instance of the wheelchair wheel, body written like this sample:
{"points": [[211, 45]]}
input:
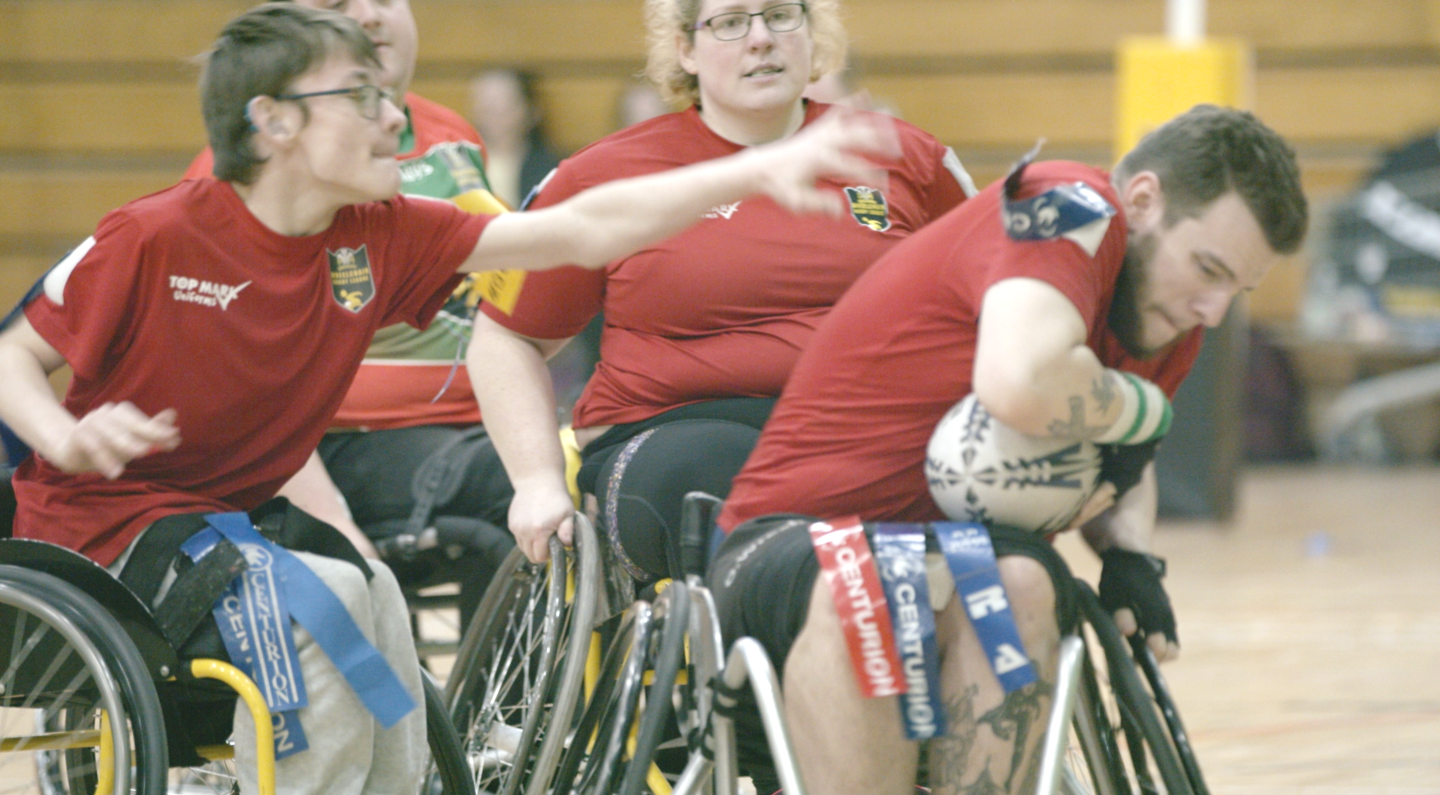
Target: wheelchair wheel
{"points": [[521, 664], [593, 759], [499, 689], [1120, 744], [672, 609], [70, 680], [449, 771]]}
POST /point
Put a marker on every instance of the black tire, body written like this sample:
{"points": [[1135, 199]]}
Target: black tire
{"points": [[450, 771], [52, 636], [591, 768], [1121, 745], [673, 611]]}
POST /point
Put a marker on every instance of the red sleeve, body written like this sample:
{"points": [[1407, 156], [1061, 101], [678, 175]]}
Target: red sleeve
{"points": [[942, 192], [1060, 262], [202, 166], [428, 231], [554, 304], [98, 286]]}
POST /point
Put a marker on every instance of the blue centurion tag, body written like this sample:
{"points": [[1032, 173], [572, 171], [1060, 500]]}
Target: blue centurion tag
{"points": [[1055, 213], [311, 603], [971, 556], [255, 626], [900, 557]]}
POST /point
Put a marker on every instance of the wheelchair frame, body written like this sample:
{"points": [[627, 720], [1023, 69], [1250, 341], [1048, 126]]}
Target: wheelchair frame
{"points": [[48, 587], [1110, 731]]}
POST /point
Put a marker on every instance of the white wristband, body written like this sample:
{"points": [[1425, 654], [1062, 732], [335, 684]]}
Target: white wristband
{"points": [[1145, 411]]}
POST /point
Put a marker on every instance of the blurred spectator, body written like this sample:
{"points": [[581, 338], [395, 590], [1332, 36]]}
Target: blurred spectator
{"points": [[504, 108], [640, 101]]}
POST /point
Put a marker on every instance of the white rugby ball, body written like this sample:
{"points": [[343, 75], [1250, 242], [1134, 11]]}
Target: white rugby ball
{"points": [[982, 471]]}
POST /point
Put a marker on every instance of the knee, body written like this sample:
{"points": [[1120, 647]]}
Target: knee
{"points": [[1031, 593]]}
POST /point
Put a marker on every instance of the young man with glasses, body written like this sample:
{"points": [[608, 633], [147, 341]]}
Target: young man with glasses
{"points": [[411, 403], [212, 328]]}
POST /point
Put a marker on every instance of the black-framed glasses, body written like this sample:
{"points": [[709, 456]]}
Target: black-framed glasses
{"points": [[735, 25], [367, 97]]}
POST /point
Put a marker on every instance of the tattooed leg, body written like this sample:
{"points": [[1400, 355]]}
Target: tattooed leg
{"points": [[993, 739]]}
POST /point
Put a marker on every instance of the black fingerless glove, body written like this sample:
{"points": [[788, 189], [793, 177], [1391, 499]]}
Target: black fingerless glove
{"points": [[1132, 579], [1122, 464]]}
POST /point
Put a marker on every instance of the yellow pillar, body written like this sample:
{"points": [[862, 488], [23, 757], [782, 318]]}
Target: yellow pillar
{"points": [[1157, 80]]}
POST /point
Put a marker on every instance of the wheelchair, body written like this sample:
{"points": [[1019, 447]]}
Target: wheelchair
{"points": [[94, 699], [527, 727], [544, 704]]}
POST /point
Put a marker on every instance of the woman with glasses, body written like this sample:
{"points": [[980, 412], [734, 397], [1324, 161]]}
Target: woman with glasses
{"points": [[700, 331]]}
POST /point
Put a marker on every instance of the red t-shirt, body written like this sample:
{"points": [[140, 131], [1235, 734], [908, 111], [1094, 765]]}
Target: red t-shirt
{"points": [[184, 300], [724, 308], [848, 436], [406, 368]]}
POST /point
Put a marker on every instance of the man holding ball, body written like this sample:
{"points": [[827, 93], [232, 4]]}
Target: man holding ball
{"points": [[1070, 302]]}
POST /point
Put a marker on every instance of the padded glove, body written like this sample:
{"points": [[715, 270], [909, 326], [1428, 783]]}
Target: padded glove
{"points": [[1132, 579]]}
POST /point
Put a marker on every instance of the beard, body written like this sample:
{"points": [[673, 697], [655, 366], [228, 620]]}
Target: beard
{"points": [[1124, 316]]}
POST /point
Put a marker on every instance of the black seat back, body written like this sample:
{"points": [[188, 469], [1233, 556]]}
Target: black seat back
{"points": [[7, 501]]}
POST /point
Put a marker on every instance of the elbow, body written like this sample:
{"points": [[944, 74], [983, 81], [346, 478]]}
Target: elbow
{"points": [[1012, 396]]}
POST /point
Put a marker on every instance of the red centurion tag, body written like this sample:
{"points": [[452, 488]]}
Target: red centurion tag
{"points": [[849, 570]]}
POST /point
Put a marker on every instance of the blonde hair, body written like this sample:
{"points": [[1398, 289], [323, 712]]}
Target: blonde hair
{"points": [[665, 20]]}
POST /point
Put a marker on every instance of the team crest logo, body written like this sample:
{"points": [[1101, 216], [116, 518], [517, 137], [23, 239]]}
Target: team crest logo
{"points": [[350, 280], [869, 208]]}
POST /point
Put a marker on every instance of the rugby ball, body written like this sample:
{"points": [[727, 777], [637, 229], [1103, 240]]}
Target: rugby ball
{"points": [[982, 471]]}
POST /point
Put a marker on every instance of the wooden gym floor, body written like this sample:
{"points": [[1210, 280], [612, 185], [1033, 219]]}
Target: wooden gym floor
{"points": [[1310, 628]]}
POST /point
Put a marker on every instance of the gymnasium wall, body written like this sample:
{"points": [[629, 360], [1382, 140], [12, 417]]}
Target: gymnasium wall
{"points": [[99, 100]]}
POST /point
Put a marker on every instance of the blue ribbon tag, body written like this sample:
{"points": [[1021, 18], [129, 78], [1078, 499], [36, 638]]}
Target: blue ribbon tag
{"points": [[255, 626], [971, 557], [900, 558], [311, 603]]}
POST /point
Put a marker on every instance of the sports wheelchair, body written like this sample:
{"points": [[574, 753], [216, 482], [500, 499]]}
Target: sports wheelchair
{"points": [[518, 693], [94, 699]]}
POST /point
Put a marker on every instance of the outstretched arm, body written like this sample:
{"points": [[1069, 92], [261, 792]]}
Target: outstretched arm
{"points": [[517, 403], [615, 219], [103, 441]]}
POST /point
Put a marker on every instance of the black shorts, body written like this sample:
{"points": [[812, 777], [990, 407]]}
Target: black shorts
{"points": [[762, 578], [641, 472]]}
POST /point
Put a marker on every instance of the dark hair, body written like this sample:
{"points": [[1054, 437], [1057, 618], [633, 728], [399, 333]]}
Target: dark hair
{"points": [[261, 53], [1208, 151]]}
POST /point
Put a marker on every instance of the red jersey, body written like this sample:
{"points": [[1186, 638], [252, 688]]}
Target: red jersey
{"points": [[184, 300], [848, 436], [724, 308], [441, 156]]}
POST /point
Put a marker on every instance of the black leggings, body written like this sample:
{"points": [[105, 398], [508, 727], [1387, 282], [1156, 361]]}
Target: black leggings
{"points": [[641, 483], [375, 470]]}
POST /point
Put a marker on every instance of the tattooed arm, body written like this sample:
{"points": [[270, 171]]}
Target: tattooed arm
{"points": [[1033, 371]]}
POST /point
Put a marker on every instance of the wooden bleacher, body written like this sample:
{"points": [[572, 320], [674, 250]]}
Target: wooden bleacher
{"points": [[101, 102]]}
